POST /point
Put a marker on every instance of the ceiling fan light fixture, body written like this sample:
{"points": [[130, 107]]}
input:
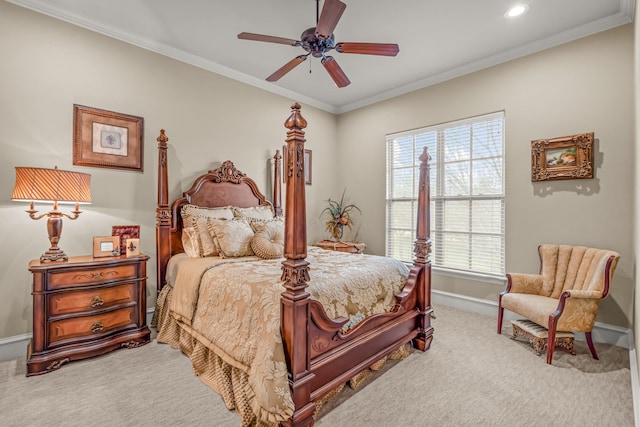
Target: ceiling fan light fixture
{"points": [[319, 40], [517, 10]]}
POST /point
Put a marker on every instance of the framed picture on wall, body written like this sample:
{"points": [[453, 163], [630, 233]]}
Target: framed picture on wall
{"points": [[107, 139], [566, 157]]}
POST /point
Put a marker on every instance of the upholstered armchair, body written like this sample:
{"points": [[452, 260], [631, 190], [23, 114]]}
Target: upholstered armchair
{"points": [[565, 296]]}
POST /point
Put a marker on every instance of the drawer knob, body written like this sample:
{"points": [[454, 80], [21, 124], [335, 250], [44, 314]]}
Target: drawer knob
{"points": [[97, 327], [97, 301]]}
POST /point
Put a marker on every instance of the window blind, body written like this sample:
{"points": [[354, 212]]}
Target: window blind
{"points": [[467, 193]]}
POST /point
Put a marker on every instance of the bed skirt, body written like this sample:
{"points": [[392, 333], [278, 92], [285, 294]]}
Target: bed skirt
{"points": [[230, 382]]}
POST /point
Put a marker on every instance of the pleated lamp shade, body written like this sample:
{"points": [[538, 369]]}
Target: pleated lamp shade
{"points": [[40, 184]]}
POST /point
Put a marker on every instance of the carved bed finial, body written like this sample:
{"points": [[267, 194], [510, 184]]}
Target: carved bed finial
{"points": [[425, 156], [295, 120], [162, 139], [227, 172]]}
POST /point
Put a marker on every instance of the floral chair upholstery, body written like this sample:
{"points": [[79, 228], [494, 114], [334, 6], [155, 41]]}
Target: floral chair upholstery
{"points": [[565, 296]]}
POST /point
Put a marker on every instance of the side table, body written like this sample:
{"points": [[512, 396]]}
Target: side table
{"points": [[85, 307], [350, 247]]}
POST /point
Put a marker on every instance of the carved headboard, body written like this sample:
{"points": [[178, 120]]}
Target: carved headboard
{"points": [[223, 186]]}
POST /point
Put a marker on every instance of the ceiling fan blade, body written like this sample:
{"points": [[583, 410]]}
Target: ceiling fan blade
{"points": [[286, 68], [334, 70], [331, 13], [269, 39], [385, 49]]}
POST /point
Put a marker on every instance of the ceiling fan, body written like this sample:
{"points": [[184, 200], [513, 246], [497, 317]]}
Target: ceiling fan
{"points": [[318, 40]]}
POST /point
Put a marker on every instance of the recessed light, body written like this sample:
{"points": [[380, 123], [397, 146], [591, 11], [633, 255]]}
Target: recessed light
{"points": [[516, 10]]}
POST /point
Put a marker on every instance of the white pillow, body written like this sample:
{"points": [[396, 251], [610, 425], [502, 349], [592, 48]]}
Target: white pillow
{"points": [[268, 241], [264, 212], [197, 217], [190, 242], [234, 237]]}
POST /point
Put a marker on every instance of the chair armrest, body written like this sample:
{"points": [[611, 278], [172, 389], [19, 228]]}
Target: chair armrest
{"points": [[578, 308], [524, 283], [576, 293]]}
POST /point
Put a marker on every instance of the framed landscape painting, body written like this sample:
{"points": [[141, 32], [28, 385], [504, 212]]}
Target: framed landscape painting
{"points": [[566, 157]]}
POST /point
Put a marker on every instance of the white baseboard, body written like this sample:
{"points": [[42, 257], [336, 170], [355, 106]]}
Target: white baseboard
{"points": [[635, 382], [16, 347]]}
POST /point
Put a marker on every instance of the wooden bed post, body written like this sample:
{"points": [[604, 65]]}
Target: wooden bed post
{"points": [[422, 249], [277, 186], [163, 212], [295, 274]]}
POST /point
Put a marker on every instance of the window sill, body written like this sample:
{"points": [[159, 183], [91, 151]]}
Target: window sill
{"points": [[477, 277]]}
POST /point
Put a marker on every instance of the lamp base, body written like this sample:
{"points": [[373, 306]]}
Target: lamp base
{"points": [[54, 254]]}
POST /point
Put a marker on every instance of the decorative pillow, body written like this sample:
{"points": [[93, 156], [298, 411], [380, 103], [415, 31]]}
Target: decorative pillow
{"points": [[196, 216], [268, 241], [190, 242], [264, 212], [234, 236]]}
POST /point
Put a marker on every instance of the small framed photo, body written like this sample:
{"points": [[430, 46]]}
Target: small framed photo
{"points": [[132, 247], [106, 139], [566, 157], [106, 246], [307, 165], [125, 232]]}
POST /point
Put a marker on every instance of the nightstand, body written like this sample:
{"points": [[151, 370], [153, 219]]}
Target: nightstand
{"points": [[350, 247], [86, 307]]}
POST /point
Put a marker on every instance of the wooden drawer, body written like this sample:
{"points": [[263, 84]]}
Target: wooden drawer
{"points": [[92, 299], [66, 279], [90, 326]]}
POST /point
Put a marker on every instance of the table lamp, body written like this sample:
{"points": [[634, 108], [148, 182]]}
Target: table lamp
{"points": [[52, 186]]}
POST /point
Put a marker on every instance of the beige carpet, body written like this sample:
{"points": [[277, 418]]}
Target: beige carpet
{"points": [[471, 376]]}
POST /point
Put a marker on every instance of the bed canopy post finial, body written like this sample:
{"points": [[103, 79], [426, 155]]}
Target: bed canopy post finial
{"points": [[163, 212], [295, 274], [277, 188]]}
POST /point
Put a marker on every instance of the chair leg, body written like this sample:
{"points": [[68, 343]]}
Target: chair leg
{"points": [[590, 344], [551, 338], [500, 314]]}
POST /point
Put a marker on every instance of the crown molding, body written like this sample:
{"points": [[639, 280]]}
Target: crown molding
{"points": [[625, 16]]}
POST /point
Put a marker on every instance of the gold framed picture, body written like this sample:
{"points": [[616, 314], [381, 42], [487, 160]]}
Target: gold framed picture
{"points": [[106, 139], [106, 246], [566, 157]]}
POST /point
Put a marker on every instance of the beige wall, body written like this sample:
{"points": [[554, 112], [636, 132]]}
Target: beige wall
{"points": [[583, 86], [49, 65]]}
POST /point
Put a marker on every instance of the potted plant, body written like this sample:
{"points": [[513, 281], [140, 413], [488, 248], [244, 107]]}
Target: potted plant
{"points": [[338, 216]]}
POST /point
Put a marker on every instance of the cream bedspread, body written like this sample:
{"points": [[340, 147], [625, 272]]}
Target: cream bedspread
{"points": [[234, 311]]}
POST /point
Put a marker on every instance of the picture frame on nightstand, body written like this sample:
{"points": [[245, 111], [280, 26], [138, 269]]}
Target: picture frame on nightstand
{"points": [[104, 246], [125, 232]]}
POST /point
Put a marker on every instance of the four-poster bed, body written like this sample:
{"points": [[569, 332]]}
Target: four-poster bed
{"points": [[319, 351]]}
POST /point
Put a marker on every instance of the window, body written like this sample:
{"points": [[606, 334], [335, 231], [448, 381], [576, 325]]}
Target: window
{"points": [[467, 194]]}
